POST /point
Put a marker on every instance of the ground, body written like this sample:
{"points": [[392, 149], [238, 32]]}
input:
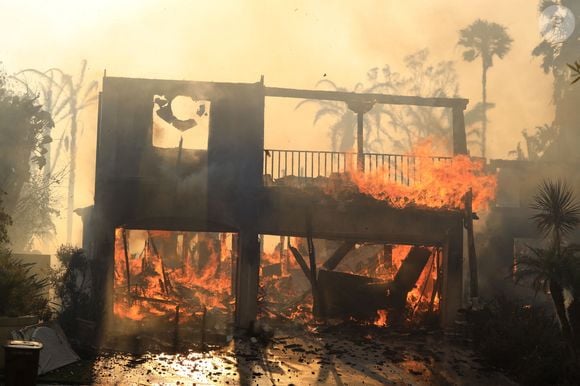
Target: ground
{"points": [[338, 355]]}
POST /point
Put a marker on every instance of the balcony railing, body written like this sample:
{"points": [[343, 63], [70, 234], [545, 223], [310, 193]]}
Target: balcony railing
{"points": [[403, 169]]}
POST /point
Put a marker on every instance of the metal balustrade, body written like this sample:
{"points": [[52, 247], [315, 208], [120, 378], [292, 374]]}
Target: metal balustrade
{"points": [[306, 165]]}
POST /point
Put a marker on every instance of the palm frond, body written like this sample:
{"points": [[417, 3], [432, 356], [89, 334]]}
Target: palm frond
{"points": [[558, 210], [334, 112], [575, 71]]}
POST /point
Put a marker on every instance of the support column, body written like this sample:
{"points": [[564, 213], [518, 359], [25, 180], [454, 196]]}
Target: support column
{"points": [[360, 107], [459, 136], [360, 161], [247, 279], [452, 286]]}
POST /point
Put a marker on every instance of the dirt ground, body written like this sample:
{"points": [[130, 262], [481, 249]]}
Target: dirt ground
{"points": [[338, 355]]}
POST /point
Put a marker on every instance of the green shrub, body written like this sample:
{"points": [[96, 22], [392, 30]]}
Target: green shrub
{"points": [[23, 293], [523, 340]]}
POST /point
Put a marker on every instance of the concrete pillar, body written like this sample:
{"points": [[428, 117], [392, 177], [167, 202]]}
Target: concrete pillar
{"points": [[248, 269]]}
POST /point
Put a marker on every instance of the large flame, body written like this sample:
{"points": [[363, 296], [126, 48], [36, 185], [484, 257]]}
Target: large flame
{"points": [[434, 185], [191, 271], [287, 294]]}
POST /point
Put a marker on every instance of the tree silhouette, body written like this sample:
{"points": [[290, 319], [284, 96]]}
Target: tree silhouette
{"points": [[392, 127], [24, 131], [342, 131], [65, 98], [551, 269], [557, 58], [484, 39]]}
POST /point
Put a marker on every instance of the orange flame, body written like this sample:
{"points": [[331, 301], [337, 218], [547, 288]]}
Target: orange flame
{"points": [[436, 184], [381, 320], [189, 270]]}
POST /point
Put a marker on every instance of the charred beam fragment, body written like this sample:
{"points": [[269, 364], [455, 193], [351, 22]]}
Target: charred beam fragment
{"points": [[126, 250], [344, 295], [300, 260], [338, 255], [347, 97], [313, 279], [165, 283], [407, 276], [437, 283], [176, 330], [347, 295], [468, 223]]}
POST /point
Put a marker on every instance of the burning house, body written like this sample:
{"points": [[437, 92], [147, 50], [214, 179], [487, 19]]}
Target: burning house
{"points": [[187, 197]]}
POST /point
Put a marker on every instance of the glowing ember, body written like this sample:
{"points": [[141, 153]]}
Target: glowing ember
{"points": [[381, 320], [435, 185]]}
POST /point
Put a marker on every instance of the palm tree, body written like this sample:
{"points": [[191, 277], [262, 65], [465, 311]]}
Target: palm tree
{"points": [[401, 126], [65, 99], [552, 269], [342, 131], [484, 39]]}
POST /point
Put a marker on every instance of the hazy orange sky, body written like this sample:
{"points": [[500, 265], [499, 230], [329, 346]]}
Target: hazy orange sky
{"points": [[292, 43]]}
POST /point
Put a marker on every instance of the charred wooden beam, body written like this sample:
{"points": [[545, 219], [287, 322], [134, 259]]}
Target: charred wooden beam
{"points": [[313, 277], [345, 295], [176, 330], [300, 260], [166, 283], [203, 328], [388, 255], [407, 276], [376, 98], [468, 223], [156, 300], [338, 255], [126, 248], [437, 283]]}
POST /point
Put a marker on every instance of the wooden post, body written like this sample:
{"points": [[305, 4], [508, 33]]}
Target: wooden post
{"points": [[473, 276], [247, 279], [127, 266], [360, 161], [360, 107], [176, 330], [313, 281], [459, 136], [203, 327], [235, 258], [388, 255], [452, 280]]}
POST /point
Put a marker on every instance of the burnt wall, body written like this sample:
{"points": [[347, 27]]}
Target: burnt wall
{"points": [[137, 182]]}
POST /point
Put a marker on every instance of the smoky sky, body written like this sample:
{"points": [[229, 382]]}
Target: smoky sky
{"points": [[292, 43]]}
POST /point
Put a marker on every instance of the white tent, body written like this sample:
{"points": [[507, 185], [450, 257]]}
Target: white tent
{"points": [[56, 351]]}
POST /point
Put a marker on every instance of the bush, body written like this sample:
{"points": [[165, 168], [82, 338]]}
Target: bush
{"points": [[72, 286], [23, 293], [522, 339]]}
